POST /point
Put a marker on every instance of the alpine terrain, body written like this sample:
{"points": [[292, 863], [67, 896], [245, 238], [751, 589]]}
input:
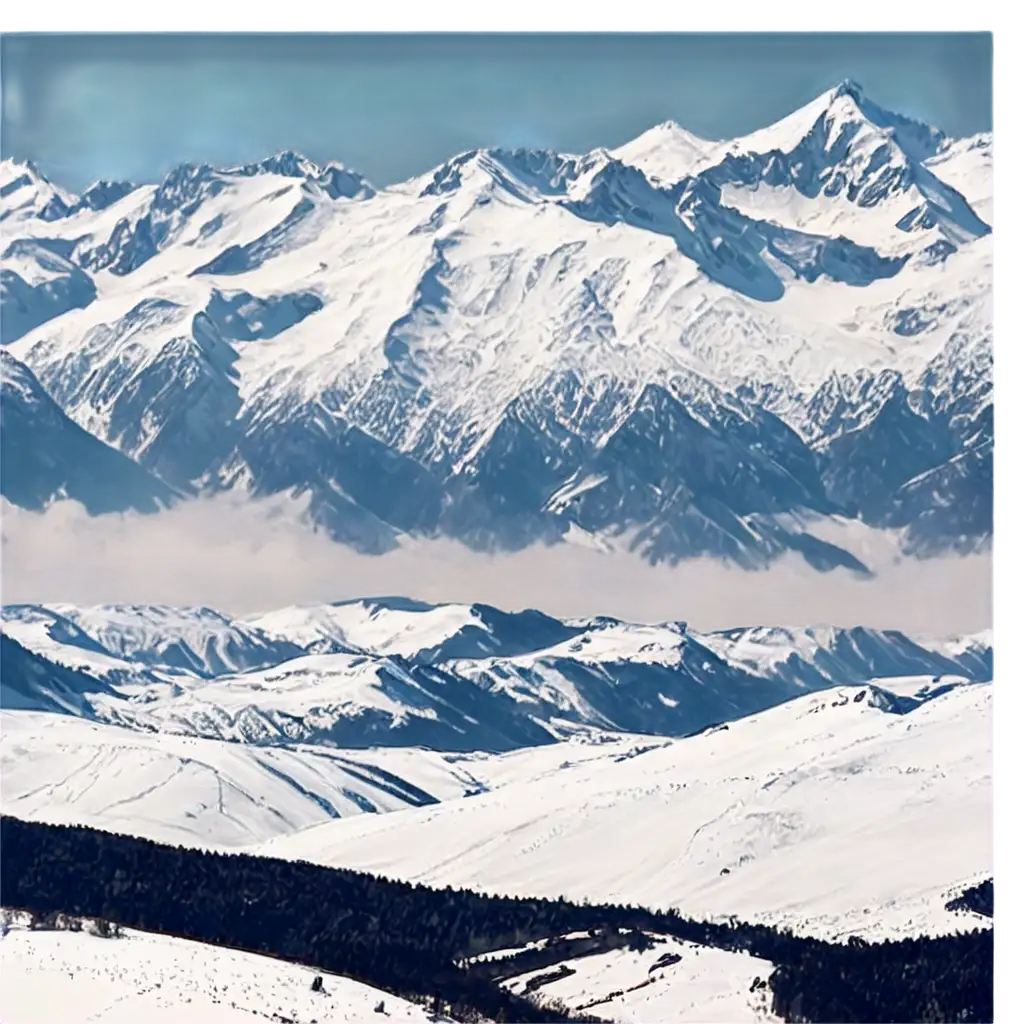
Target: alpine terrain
{"points": [[775, 346], [683, 346]]}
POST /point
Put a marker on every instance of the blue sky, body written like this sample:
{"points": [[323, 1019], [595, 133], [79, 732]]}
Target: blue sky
{"points": [[100, 106]]}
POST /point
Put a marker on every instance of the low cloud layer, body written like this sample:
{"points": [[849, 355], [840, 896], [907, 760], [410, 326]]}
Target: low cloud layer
{"points": [[243, 556]]}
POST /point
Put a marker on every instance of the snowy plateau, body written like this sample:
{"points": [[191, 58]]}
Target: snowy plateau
{"points": [[683, 346]]}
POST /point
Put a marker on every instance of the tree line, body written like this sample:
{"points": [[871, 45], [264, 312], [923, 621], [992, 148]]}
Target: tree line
{"points": [[415, 941]]}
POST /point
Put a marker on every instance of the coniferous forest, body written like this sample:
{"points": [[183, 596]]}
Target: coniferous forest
{"points": [[413, 941], [977, 899]]}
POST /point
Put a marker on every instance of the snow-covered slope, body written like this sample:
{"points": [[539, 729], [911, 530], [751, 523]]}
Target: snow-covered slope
{"points": [[843, 149], [669, 983], [76, 977], [27, 193], [36, 285], [189, 791], [835, 780], [520, 345], [392, 672], [966, 165], [832, 813], [200, 640], [837, 813], [44, 455], [665, 153]]}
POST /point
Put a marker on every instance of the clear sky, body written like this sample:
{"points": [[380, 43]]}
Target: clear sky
{"points": [[103, 106]]}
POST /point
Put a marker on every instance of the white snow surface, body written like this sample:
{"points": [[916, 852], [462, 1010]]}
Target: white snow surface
{"points": [[704, 986], [827, 814], [205, 792], [73, 978], [367, 625], [666, 153], [966, 165]]}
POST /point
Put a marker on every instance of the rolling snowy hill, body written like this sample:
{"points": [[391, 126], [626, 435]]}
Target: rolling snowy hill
{"points": [[833, 814], [849, 811], [682, 342], [866, 753], [188, 791], [391, 672]]}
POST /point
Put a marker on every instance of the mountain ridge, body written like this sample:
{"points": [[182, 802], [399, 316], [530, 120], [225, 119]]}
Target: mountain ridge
{"points": [[390, 672], [241, 331]]}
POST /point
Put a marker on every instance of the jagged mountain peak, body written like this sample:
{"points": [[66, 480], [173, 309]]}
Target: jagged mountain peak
{"points": [[665, 153], [189, 170], [102, 194], [190, 180], [287, 162], [525, 174], [845, 106], [917, 140], [674, 128], [669, 133], [187, 174], [848, 87], [12, 170], [378, 671], [26, 191]]}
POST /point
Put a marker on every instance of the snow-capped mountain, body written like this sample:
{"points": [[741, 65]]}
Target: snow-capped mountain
{"points": [[392, 672], [700, 345], [38, 284]]}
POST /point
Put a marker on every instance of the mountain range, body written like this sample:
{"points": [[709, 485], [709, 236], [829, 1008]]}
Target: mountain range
{"points": [[682, 346], [399, 673]]}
